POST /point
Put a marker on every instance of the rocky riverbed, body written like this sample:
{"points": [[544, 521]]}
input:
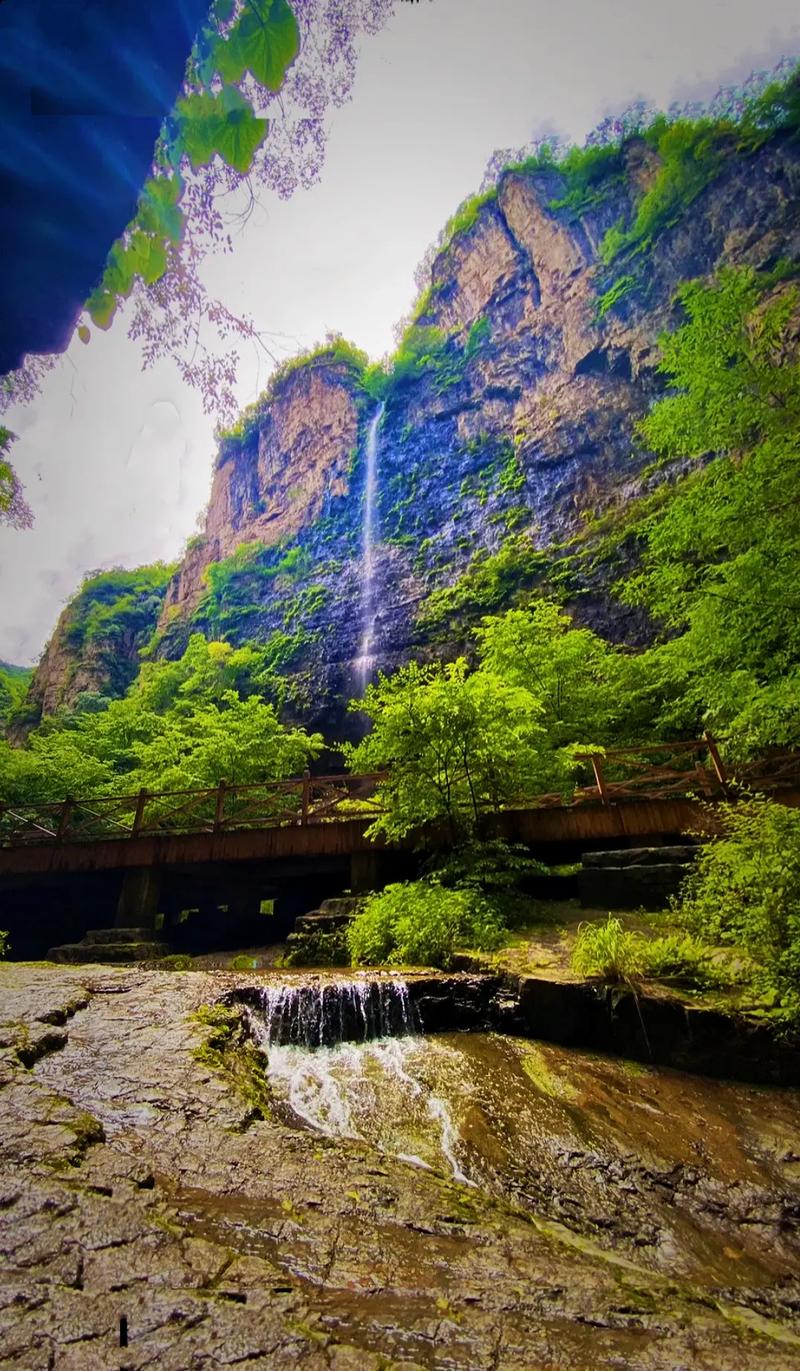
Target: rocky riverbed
{"points": [[611, 1215]]}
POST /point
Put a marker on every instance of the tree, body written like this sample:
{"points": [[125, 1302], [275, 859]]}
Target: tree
{"points": [[583, 685], [457, 745], [721, 559], [182, 725], [744, 890], [239, 741]]}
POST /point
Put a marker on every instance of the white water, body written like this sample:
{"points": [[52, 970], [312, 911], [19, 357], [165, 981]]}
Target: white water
{"points": [[319, 1013], [345, 1057], [379, 1092], [365, 662]]}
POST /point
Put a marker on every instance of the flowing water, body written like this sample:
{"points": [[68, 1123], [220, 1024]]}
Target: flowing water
{"points": [[327, 1011], [611, 1148], [347, 1059], [365, 661]]}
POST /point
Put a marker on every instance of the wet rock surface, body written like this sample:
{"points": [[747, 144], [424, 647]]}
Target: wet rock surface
{"points": [[651, 1222]]}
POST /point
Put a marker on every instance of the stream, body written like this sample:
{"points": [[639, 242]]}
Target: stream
{"points": [[691, 1175]]}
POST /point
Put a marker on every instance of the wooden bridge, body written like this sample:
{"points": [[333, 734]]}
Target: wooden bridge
{"points": [[637, 792]]}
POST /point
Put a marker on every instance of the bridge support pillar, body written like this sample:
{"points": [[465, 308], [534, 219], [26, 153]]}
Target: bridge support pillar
{"points": [[138, 900], [365, 872]]}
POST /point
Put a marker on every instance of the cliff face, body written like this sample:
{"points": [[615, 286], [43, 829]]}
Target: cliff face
{"points": [[515, 430], [273, 484], [96, 646], [510, 426]]}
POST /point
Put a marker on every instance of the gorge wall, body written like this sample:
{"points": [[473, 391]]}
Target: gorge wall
{"points": [[508, 430]]}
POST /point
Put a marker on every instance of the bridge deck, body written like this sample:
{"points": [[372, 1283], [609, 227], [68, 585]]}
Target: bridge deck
{"points": [[587, 824], [638, 793]]}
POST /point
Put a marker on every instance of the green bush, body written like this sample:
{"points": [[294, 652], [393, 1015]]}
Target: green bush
{"points": [[744, 891], [490, 868], [5, 946], [608, 951], [422, 923], [318, 949], [680, 957]]}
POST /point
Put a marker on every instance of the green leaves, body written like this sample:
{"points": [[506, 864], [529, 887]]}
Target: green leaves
{"points": [[143, 255], [264, 41], [223, 124], [720, 558], [457, 744], [159, 212], [744, 891]]}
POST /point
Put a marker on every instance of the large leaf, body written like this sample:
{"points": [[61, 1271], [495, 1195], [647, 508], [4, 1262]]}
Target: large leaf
{"points": [[264, 40], [223, 124], [102, 306], [146, 257], [159, 213]]}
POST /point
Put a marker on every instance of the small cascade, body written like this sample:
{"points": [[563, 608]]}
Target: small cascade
{"points": [[365, 661], [346, 1058], [327, 1012]]}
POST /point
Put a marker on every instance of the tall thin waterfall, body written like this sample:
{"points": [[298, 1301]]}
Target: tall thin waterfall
{"points": [[365, 660]]}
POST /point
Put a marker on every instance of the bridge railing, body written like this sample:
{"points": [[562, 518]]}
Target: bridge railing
{"points": [[223, 809], [653, 771]]}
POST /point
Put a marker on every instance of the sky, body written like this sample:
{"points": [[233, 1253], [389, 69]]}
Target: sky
{"points": [[117, 461]]}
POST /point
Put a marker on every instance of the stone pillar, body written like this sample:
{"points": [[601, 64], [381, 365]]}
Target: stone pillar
{"points": [[138, 900]]}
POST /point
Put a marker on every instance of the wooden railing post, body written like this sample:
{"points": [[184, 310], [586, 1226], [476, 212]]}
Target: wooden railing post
{"points": [[64, 818], [597, 768], [219, 808], [306, 798], [716, 760], [703, 778], [138, 818]]}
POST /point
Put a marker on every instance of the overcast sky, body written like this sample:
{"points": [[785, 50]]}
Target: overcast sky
{"points": [[117, 461]]}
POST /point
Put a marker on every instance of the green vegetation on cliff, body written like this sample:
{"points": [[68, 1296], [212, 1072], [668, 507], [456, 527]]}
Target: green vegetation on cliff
{"points": [[182, 725], [116, 603], [720, 558], [14, 682]]}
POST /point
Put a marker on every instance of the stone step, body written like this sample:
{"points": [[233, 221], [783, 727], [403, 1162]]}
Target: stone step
{"points": [[108, 952], [678, 854], [343, 906], [629, 887], [320, 922], [118, 935]]}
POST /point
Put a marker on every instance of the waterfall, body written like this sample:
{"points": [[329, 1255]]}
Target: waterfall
{"points": [[327, 1012], [365, 660], [346, 1059]]}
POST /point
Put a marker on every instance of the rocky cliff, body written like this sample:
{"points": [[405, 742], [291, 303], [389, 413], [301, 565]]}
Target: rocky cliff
{"points": [[96, 646], [507, 428]]}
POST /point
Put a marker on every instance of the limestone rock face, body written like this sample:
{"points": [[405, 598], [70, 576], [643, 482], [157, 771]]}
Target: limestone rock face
{"points": [[273, 484]]}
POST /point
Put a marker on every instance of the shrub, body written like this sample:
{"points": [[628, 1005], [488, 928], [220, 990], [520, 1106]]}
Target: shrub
{"points": [[422, 922], [680, 957], [488, 867], [5, 946], [608, 951], [744, 891], [318, 949]]}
